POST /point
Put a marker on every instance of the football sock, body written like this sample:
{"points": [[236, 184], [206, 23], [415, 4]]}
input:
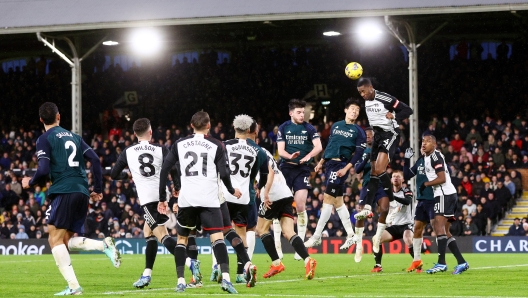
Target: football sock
{"points": [[240, 267], [441, 240], [192, 249], [372, 188], [238, 246], [214, 259], [269, 246], [151, 251], [326, 211], [302, 222], [298, 246], [387, 185], [250, 239], [344, 215], [453, 247], [411, 251], [359, 233], [83, 243], [180, 255], [147, 272], [380, 230], [188, 262], [417, 248], [378, 255], [277, 231], [63, 261], [220, 251]]}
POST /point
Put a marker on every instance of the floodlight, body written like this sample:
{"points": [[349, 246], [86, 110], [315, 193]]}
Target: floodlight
{"points": [[369, 31], [331, 33], [146, 41], [110, 43]]}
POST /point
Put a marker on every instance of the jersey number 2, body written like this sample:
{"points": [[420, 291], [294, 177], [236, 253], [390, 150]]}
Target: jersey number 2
{"points": [[71, 162]]}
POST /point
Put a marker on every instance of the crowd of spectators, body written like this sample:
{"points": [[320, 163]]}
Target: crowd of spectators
{"points": [[483, 139]]}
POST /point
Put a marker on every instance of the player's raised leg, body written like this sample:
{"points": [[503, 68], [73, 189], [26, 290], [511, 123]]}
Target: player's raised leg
{"points": [[298, 246], [276, 267]]}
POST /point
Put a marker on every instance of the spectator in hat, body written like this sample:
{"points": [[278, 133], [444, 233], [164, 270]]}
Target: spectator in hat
{"points": [[516, 229], [21, 233]]}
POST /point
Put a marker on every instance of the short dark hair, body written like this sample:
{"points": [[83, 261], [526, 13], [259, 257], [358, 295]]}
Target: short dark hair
{"points": [[253, 127], [352, 101], [433, 138], [200, 120], [296, 103], [48, 112], [368, 128], [364, 82], [141, 126]]}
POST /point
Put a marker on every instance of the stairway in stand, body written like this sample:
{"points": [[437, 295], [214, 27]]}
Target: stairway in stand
{"points": [[520, 210]]}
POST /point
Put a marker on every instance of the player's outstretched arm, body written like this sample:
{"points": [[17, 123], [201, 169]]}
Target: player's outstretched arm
{"points": [[117, 171], [361, 145], [407, 198], [360, 165], [403, 111], [222, 169], [168, 163], [318, 147], [409, 172], [267, 188], [97, 171]]}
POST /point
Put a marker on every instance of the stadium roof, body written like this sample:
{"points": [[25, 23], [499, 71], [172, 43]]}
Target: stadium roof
{"points": [[26, 16]]}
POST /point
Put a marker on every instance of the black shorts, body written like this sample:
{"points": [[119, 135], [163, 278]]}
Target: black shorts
{"points": [[334, 184], [380, 193], [187, 219], [238, 213], [226, 218], [68, 211], [152, 217], [397, 231], [278, 209], [252, 215], [297, 176], [385, 141], [425, 211], [446, 206]]}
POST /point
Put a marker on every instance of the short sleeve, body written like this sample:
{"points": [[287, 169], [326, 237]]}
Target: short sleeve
{"points": [[312, 132], [437, 162]]}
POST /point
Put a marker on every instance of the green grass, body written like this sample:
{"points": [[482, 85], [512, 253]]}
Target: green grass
{"points": [[504, 275]]}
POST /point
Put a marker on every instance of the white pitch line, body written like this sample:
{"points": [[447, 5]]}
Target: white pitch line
{"points": [[317, 278]]}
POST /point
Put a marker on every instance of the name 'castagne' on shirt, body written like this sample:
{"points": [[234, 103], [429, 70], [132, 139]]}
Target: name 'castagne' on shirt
{"points": [[197, 143]]}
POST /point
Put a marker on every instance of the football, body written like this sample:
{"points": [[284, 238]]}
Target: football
{"points": [[353, 70]]}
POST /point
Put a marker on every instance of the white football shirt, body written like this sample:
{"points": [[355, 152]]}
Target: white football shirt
{"points": [[199, 176], [279, 189], [241, 160], [403, 214], [144, 161], [435, 163]]}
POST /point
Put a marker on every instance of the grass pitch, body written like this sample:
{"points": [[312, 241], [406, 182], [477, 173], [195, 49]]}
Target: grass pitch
{"points": [[490, 275]]}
